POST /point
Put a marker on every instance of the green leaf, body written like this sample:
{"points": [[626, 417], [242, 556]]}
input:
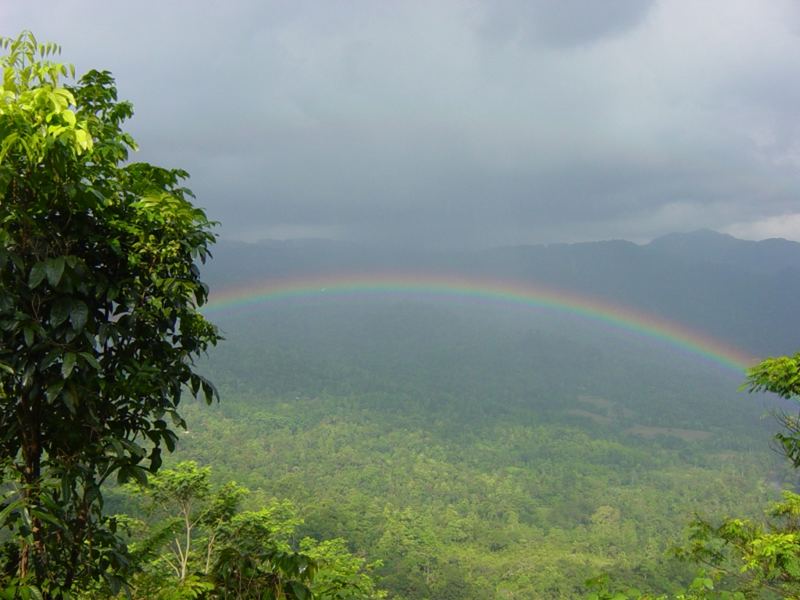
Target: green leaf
{"points": [[68, 364], [78, 314], [209, 390], [117, 446], [46, 516], [10, 508], [300, 591], [48, 360], [54, 267], [71, 399], [126, 473], [69, 117], [155, 459], [60, 311], [170, 440], [36, 275], [53, 391], [90, 358], [27, 332]]}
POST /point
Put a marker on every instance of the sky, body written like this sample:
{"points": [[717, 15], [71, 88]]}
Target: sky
{"points": [[450, 123]]}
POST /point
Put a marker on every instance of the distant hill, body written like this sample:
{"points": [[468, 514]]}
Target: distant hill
{"points": [[741, 291], [774, 255]]}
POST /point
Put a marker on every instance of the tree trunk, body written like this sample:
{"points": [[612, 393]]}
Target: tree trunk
{"points": [[32, 556]]}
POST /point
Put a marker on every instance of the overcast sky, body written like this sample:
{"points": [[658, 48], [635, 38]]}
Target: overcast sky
{"points": [[458, 122]]}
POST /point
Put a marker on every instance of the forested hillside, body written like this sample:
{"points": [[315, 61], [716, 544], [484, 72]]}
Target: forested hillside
{"points": [[481, 451]]}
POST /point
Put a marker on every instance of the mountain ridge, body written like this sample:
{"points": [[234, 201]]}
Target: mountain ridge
{"points": [[739, 291]]}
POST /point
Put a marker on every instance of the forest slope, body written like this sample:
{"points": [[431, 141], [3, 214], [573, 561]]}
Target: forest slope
{"points": [[480, 452]]}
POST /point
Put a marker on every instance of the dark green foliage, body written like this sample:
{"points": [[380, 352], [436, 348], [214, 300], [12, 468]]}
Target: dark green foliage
{"points": [[247, 568], [98, 314]]}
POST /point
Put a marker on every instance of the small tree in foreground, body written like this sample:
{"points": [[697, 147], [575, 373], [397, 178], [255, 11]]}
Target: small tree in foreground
{"points": [[197, 541], [99, 321]]}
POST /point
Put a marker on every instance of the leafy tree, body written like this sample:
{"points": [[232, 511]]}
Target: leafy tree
{"points": [[184, 499], [198, 541], [781, 376], [99, 321], [253, 562], [340, 575]]}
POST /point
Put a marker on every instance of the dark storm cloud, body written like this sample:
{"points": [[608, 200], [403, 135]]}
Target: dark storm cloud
{"points": [[458, 122]]}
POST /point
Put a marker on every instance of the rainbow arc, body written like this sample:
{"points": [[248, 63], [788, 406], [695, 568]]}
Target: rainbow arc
{"points": [[517, 293]]}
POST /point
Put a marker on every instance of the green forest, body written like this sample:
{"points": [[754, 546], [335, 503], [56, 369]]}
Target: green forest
{"points": [[503, 461], [340, 448]]}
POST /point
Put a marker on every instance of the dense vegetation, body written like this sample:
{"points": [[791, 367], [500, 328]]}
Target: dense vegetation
{"points": [[481, 454], [194, 539]]}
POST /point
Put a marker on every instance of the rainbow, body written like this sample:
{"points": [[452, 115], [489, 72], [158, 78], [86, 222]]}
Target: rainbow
{"points": [[454, 287]]}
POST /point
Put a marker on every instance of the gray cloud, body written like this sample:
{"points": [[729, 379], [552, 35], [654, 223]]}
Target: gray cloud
{"points": [[564, 23], [458, 123]]}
